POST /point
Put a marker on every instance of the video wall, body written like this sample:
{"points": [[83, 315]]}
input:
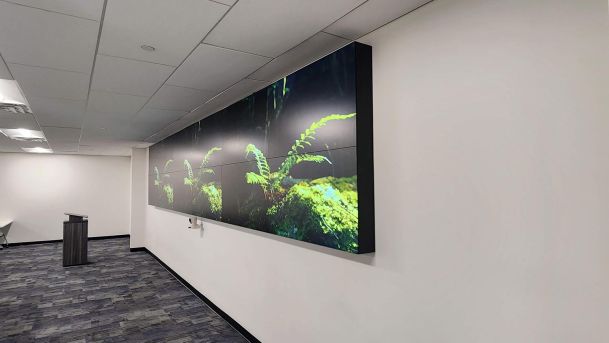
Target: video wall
{"points": [[293, 159]]}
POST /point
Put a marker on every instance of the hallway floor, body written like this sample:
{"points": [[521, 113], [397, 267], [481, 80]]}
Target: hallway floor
{"points": [[121, 296]]}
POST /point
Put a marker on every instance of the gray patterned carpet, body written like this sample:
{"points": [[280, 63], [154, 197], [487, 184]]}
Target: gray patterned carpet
{"points": [[121, 296]]}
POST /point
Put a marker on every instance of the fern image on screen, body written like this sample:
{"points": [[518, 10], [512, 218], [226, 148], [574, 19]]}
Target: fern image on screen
{"points": [[201, 187], [308, 208], [163, 186], [293, 159]]}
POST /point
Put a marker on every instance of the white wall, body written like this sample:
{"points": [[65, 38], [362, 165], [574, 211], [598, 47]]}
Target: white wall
{"points": [[35, 191], [492, 193], [139, 196]]}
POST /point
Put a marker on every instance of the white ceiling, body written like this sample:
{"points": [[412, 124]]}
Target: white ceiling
{"points": [[230, 67], [90, 9], [270, 27], [93, 90], [4, 72]]}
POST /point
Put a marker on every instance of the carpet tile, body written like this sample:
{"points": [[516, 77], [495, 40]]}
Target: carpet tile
{"points": [[121, 296]]}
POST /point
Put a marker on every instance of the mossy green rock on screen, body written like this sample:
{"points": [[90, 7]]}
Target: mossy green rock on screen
{"points": [[323, 211]]}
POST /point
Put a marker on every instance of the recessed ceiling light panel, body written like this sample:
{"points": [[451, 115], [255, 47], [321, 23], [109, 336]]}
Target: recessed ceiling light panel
{"points": [[38, 150], [24, 135], [12, 98]]}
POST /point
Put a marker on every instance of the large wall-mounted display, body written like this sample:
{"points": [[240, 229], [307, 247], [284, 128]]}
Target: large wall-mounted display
{"points": [[293, 159]]}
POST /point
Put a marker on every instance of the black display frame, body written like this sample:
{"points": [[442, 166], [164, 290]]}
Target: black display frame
{"points": [[365, 147]]}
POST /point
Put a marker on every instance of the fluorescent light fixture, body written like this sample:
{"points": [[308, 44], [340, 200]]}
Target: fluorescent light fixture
{"points": [[24, 135], [12, 98], [38, 150]]}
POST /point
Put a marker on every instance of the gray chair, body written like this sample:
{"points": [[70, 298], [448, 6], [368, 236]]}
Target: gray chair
{"points": [[4, 232]]}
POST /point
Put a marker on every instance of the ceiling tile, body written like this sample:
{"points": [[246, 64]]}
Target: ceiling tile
{"points": [[372, 15], [235, 93], [57, 112], [109, 147], [50, 83], [308, 51], [40, 38], [214, 69], [270, 27], [91, 136], [131, 137], [179, 98], [17, 121], [150, 120], [226, 2], [102, 127], [158, 115], [8, 145], [61, 134], [174, 28], [4, 72], [101, 122], [90, 9], [120, 75], [166, 131], [122, 105], [105, 126], [61, 147]]}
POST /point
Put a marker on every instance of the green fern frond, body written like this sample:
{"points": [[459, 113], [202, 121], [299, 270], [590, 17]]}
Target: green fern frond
{"points": [[207, 156], [312, 158], [214, 194], [157, 177], [309, 134], [271, 183], [261, 163], [169, 193], [207, 171], [188, 169], [256, 179], [292, 160], [285, 88], [167, 165]]}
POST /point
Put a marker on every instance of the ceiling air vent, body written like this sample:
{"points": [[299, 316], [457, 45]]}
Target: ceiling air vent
{"points": [[12, 98]]}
